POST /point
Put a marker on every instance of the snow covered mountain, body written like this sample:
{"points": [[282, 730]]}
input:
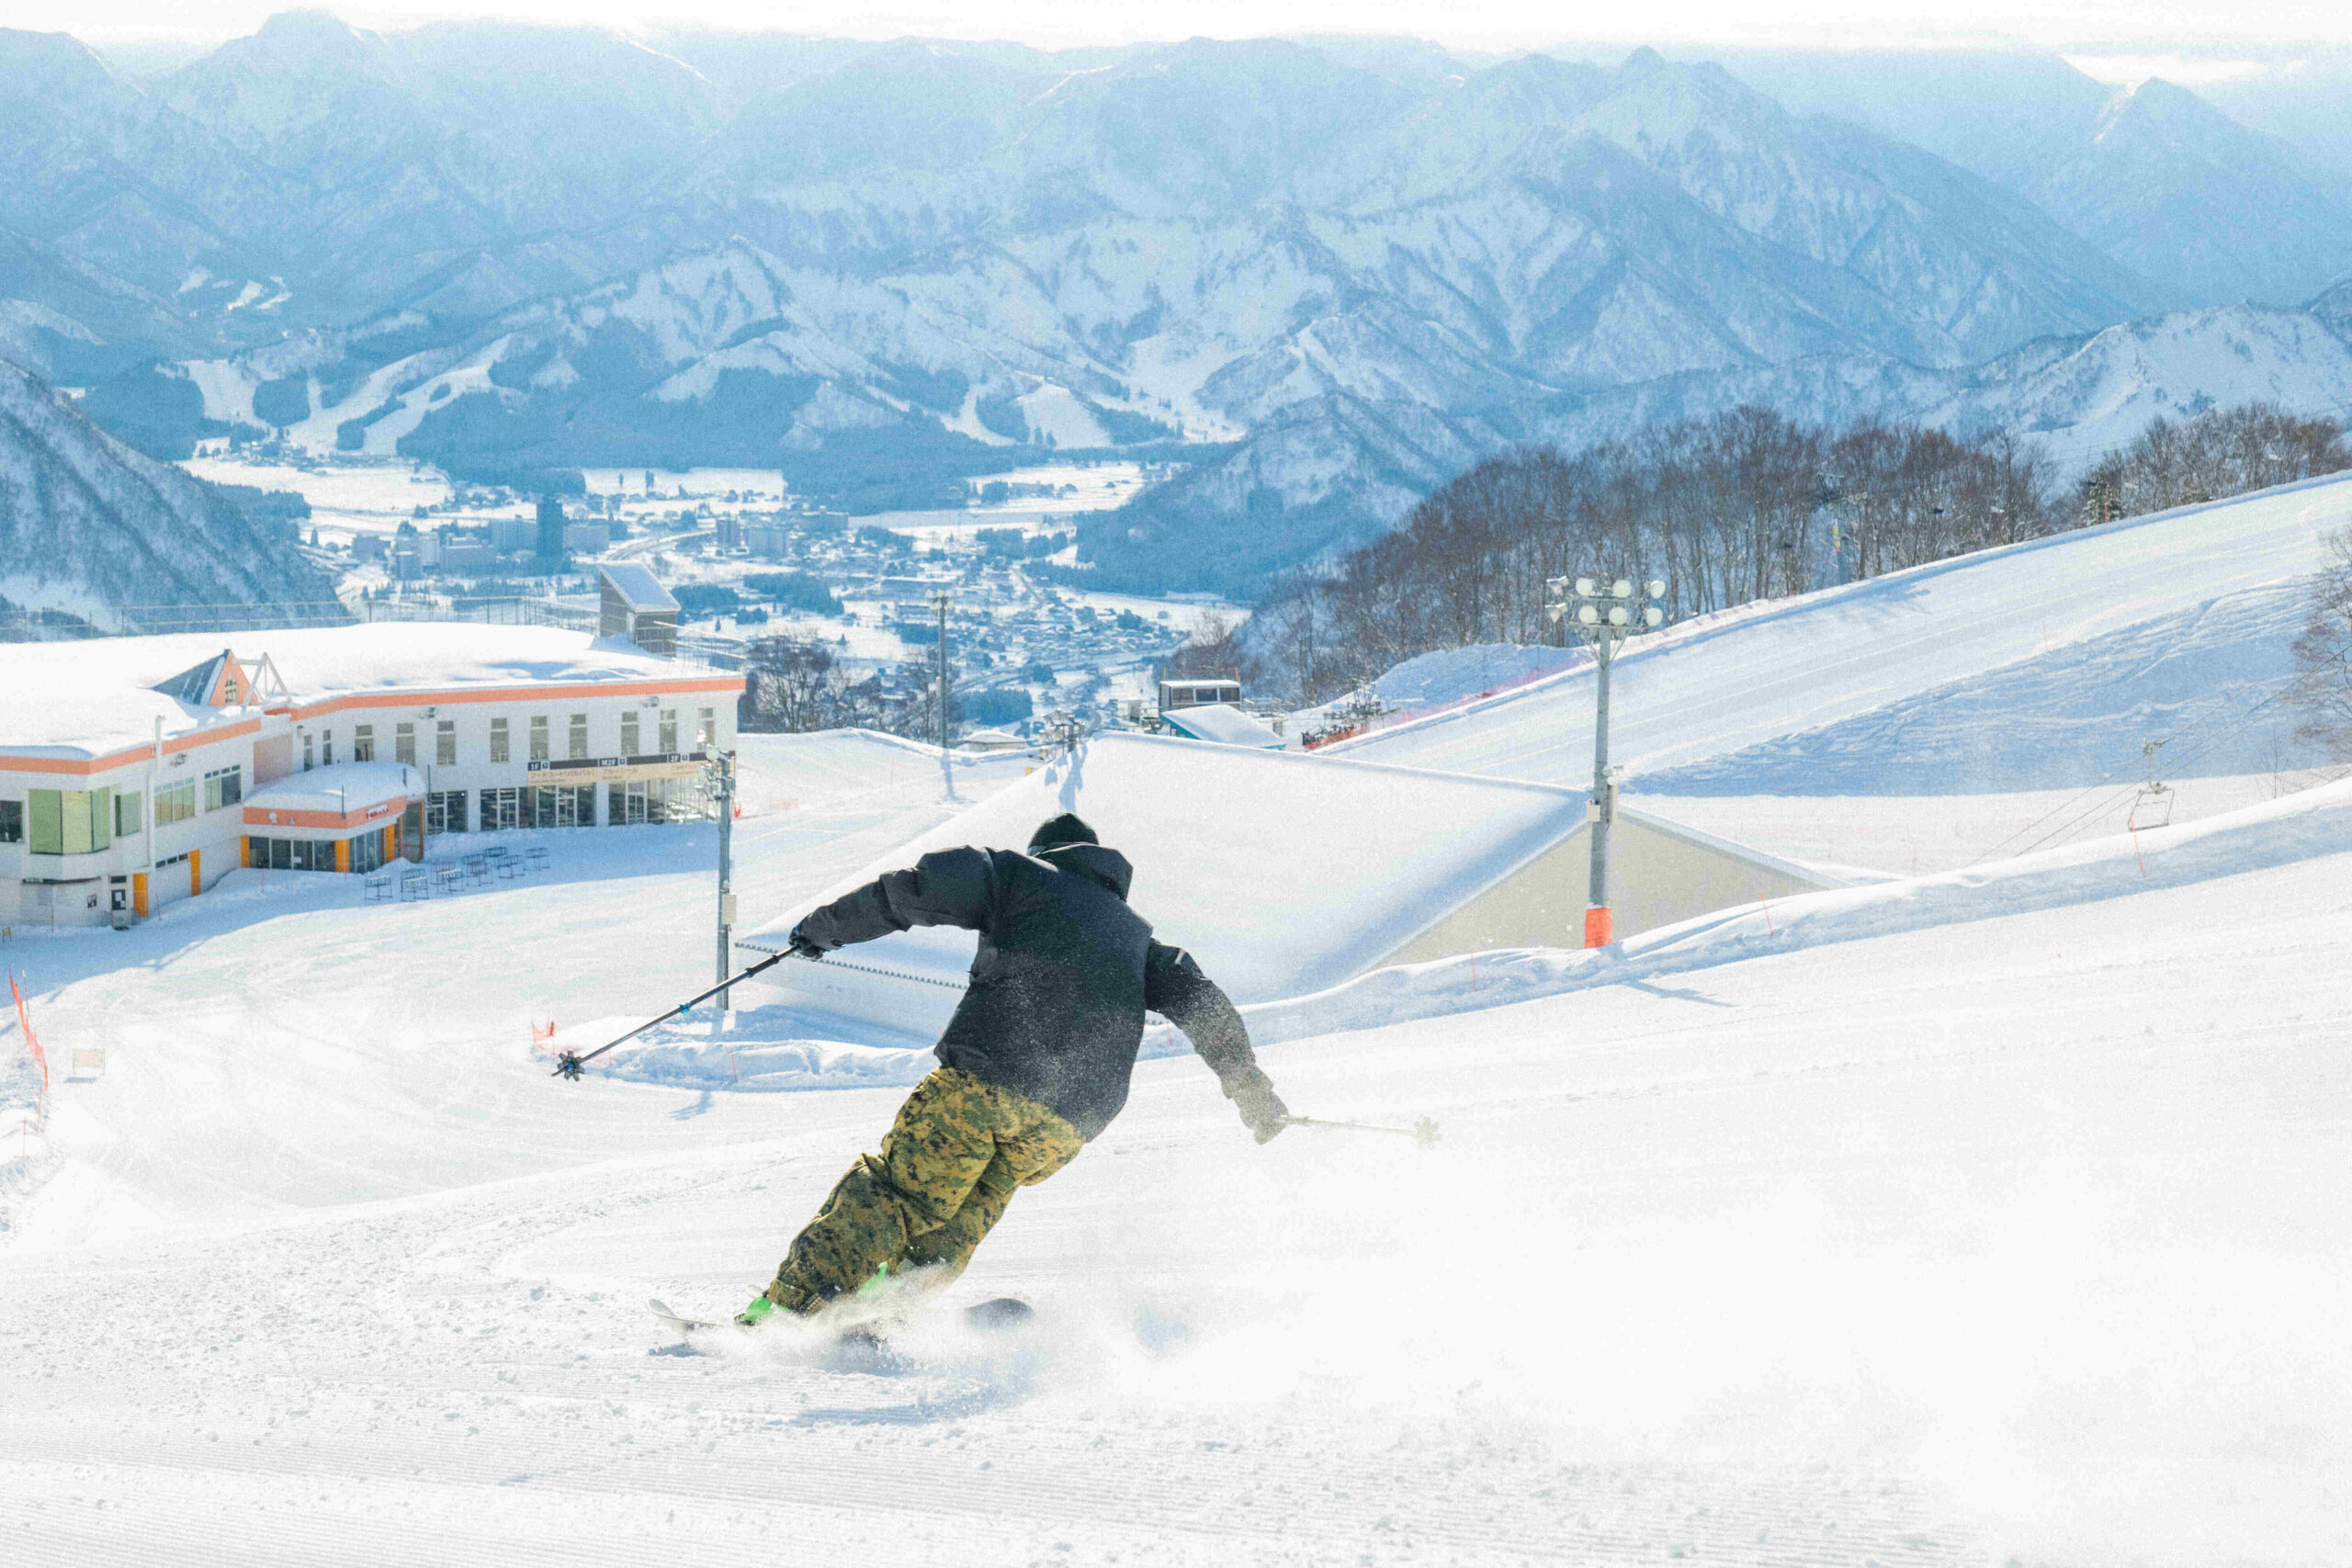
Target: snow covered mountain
{"points": [[1339, 270], [2205, 208], [930, 252], [1341, 467], [87, 525]]}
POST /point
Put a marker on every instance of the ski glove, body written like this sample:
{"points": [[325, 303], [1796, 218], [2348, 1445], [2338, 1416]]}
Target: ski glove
{"points": [[1262, 1110], [804, 946]]}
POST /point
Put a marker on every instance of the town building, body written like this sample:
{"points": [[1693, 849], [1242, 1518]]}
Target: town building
{"points": [[1174, 695], [137, 770], [632, 604]]}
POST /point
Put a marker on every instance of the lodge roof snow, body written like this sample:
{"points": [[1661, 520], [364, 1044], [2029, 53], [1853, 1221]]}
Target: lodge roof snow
{"points": [[89, 698], [344, 787]]}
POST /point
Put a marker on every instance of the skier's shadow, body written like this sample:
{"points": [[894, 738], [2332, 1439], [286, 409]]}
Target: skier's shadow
{"points": [[688, 1113], [1675, 993]]}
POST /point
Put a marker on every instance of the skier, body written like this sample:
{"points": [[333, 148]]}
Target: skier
{"points": [[1033, 1064]]}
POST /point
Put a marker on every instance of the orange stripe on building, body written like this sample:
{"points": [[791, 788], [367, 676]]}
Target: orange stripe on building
{"points": [[84, 766], [266, 816]]}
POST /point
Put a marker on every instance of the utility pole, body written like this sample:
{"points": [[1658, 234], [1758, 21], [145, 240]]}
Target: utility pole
{"points": [[726, 760], [940, 601], [1605, 614]]}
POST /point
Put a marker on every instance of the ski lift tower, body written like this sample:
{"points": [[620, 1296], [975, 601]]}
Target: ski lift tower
{"points": [[1605, 614], [2152, 807]]}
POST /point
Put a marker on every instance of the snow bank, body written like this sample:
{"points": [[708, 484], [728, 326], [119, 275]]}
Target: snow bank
{"points": [[2304, 827], [761, 1052]]}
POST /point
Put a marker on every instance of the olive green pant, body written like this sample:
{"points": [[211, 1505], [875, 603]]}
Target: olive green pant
{"points": [[948, 1167]]}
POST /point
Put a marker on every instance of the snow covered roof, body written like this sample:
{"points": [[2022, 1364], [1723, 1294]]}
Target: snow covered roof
{"points": [[637, 588], [346, 787], [1223, 723], [1283, 873], [97, 696]]}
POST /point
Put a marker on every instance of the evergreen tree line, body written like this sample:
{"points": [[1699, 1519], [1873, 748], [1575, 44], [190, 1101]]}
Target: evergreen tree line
{"points": [[1743, 506]]}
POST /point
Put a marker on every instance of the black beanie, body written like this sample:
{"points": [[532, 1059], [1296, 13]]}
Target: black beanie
{"points": [[1068, 829]]}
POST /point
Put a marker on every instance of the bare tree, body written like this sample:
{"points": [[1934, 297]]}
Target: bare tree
{"points": [[2323, 689]]}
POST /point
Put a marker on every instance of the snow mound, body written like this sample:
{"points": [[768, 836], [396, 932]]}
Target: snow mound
{"points": [[2316, 823]]}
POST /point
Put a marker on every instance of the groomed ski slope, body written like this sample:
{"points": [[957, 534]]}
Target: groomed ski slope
{"points": [[2035, 666], [1985, 1219]]}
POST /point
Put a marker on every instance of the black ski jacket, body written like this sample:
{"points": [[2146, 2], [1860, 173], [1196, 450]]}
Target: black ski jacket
{"points": [[1064, 973]]}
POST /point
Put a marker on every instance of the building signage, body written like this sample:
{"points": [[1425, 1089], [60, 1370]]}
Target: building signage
{"points": [[617, 770]]}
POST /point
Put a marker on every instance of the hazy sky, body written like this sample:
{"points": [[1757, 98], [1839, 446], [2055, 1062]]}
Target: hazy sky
{"points": [[2205, 29]]}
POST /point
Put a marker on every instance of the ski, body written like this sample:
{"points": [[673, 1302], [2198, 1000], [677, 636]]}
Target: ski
{"points": [[684, 1325], [996, 1315]]}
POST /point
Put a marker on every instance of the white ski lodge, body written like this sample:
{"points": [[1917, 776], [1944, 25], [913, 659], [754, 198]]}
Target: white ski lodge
{"points": [[135, 770]]}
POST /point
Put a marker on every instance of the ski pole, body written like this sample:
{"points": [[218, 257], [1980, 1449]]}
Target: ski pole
{"points": [[1423, 1131], [569, 1064]]}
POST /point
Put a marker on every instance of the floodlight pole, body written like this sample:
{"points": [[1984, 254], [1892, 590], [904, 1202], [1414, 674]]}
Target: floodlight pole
{"points": [[1605, 613], [726, 760], [1602, 811]]}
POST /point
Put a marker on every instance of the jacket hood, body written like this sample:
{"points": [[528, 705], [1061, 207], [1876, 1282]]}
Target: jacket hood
{"points": [[1108, 867]]}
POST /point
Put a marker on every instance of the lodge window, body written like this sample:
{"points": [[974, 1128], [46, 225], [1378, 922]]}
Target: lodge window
{"points": [[224, 787], [12, 821], [668, 731], [175, 803], [292, 854], [326, 749], [363, 743], [499, 752], [445, 743], [70, 821], [501, 809], [578, 736], [560, 805], [126, 813], [706, 732], [404, 743], [445, 811], [649, 800], [629, 735], [367, 852], [307, 745], [539, 738]]}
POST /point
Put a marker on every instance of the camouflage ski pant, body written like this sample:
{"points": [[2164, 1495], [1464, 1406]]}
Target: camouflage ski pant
{"points": [[948, 1167]]}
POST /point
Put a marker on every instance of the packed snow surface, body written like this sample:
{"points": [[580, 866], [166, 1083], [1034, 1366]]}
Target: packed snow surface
{"points": [[1865, 1236], [2033, 666]]}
